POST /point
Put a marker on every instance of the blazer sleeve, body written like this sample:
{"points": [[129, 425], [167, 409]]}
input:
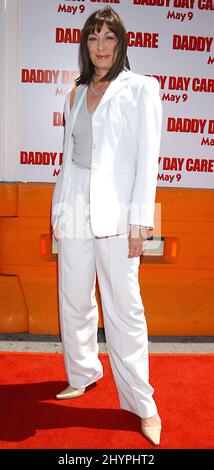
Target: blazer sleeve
{"points": [[149, 135], [58, 185]]}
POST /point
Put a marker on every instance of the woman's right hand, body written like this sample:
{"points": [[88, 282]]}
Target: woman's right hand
{"points": [[137, 238]]}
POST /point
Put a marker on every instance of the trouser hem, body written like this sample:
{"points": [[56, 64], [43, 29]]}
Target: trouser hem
{"points": [[72, 384], [150, 411]]}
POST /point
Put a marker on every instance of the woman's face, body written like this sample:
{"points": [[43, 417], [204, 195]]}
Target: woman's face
{"points": [[102, 48]]}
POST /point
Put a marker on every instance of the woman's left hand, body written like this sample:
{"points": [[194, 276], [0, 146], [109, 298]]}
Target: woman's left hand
{"points": [[137, 238]]}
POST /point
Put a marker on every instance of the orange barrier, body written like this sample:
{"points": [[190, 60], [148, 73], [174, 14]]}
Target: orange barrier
{"points": [[177, 288]]}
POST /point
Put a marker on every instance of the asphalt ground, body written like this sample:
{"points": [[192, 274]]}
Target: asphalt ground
{"points": [[27, 342]]}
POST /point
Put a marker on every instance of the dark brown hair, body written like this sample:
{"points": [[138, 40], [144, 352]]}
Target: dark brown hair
{"points": [[95, 22]]}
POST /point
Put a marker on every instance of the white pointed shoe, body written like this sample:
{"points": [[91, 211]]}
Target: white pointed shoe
{"points": [[152, 432], [70, 392]]}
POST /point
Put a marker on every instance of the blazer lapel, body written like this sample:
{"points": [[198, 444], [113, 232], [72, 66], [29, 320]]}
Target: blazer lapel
{"points": [[81, 90], [114, 87]]}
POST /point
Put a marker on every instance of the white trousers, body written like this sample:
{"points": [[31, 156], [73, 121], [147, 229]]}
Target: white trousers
{"points": [[79, 260]]}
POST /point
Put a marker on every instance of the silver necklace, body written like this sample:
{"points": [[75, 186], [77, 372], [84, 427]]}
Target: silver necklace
{"points": [[95, 92]]}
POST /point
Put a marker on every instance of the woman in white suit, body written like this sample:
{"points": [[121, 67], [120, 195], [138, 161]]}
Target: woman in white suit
{"points": [[102, 211]]}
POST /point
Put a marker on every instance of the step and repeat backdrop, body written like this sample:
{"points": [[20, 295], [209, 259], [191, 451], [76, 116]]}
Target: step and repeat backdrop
{"points": [[171, 40]]}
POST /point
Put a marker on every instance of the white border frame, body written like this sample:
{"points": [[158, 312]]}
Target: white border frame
{"points": [[2, 87], [9, 79]]}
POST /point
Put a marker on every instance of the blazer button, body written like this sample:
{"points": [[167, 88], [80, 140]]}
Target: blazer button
{"points": [[94, 166]]}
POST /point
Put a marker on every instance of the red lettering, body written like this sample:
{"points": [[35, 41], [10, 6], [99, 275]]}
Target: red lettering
{"points": [[68, 35], [192, 43], [58, 119], [140, 39]]}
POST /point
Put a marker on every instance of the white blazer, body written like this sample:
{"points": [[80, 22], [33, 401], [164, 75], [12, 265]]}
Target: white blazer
{"points": [[126, 132]]}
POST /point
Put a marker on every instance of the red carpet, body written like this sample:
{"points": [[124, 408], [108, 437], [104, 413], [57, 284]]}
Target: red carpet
{"points": [[32, 418]]}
